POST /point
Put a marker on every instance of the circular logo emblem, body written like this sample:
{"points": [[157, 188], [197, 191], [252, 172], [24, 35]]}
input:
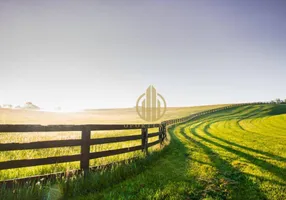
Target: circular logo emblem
{"points": [[151, 106]]}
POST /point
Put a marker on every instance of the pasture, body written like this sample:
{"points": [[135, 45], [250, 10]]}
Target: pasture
{"points": [[238, 153], [106, 116], [95, 116]]}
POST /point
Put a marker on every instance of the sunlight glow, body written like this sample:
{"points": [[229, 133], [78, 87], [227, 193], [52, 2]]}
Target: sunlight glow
{"points": [[62, 110]]}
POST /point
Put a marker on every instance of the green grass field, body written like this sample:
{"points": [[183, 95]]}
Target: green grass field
{"points": [[239, 153], [127, 116]]}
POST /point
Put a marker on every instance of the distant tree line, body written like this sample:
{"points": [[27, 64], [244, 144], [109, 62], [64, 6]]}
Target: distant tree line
{"points": [[278, 101], [27, 105]]}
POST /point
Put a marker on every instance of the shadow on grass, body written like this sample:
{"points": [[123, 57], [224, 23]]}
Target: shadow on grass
{"points": [[235, 114], [177, 184], [201, 162], [277, 110], [252, 113], [275, 157], [161, 178], [162, 170], [238, 184], [279, 172]]}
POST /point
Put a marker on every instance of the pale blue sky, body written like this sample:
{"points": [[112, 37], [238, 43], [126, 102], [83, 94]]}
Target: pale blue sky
{"points": [[104, 54]]}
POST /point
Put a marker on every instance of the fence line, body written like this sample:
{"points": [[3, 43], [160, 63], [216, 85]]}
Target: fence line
{"points": [[86, 141]]}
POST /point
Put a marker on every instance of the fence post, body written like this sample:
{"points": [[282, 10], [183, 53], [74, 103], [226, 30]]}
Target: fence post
{"points": [[85, 150], [144, 132], [161, 134], [164, 131]]}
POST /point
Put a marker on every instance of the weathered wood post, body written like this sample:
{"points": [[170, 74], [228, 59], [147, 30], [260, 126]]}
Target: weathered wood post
{"points": [[85, 150], [161, 134], [144, 132], [163, 131]]}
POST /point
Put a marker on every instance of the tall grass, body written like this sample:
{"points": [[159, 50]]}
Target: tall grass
{"points": [[51, 152], [77, 185], [127, 115]]}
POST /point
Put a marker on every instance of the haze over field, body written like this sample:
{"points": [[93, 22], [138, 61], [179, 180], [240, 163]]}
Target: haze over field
{"points": [[98, 54], [100, 116]]}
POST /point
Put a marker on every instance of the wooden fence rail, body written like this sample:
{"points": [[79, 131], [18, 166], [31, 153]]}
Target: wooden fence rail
{"points": [[85, 142]]}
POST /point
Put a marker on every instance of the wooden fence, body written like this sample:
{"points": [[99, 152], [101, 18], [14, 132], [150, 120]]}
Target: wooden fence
{"points": [[85, 142]]}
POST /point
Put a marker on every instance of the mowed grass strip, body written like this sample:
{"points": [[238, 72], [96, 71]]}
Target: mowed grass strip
{"points": [[239, 153]]}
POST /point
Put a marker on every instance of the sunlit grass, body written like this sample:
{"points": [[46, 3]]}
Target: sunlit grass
{"points": [[27, 116], [239, 153], [24, 118], [53, 152]]}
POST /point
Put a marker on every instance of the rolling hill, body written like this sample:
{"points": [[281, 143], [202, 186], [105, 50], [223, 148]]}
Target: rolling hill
{"points": [[239, 153]]}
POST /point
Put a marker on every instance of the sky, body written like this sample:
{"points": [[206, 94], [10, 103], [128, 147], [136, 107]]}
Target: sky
{"points": [[104, 54]]}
